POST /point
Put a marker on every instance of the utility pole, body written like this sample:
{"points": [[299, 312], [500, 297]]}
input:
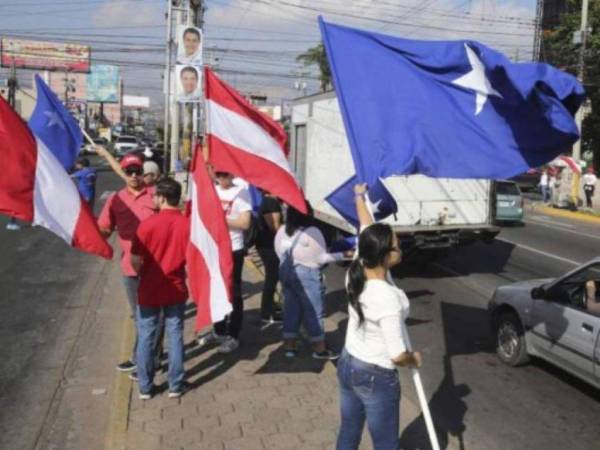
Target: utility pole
{"points": [[177, 10], [167, 87], [537, 38], [191, 111], [580, 75]]}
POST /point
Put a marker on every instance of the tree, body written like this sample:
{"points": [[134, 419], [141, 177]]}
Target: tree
{"points": [[559, 50], [316, 56]]}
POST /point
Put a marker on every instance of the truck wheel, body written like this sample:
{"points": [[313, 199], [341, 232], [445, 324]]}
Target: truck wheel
{"points": [[510, 340]]}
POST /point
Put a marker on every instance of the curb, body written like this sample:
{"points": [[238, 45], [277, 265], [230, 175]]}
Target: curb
{"points": [[121, 400], [565, 214]]}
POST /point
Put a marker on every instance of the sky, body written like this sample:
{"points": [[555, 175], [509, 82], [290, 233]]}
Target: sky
{"points": [[253, 44]]}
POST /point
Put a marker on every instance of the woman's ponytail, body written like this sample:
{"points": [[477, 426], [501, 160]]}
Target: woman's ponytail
{"points": [[356, 284]]}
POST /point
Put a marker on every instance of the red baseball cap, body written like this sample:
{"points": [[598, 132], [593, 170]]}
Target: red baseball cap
{"points": [[131, 160]]}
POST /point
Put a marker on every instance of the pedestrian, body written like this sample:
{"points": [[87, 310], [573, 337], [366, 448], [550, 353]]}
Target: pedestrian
{"points": [[123, 211], [268, 223], [589, 186], [236, 203], [85, 176], [375, 339], [151, 173], [158, 255], [545, 186], [301, 249]]}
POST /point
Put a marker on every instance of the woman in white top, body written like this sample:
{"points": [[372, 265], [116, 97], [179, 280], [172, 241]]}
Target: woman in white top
{"points": [[589, 186], [375, 339], [301, 251]]}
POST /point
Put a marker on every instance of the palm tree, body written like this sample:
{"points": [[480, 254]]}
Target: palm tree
{"points": [[316, 55]]}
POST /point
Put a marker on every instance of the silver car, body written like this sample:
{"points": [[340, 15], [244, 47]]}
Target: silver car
{"points": [[552, 319]]}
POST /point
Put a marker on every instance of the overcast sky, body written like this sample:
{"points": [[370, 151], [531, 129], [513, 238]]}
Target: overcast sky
{"points": [[254, 43]]}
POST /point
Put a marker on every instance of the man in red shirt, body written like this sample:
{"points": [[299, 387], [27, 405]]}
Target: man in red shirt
{"points": [[158, 254], [124, 211]]}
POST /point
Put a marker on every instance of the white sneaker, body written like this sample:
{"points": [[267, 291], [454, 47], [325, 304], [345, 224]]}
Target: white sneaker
{"points": [[13, 226], [211, 338], [229, 345]]}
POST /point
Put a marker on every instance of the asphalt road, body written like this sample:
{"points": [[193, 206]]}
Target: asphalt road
{"points": [[46, 290], [477, 402]]}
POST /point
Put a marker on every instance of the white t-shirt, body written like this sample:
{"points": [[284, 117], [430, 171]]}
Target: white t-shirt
{"points": [[381, 336], [235, 201], [544, 179], [590, 179], [309, 248]]}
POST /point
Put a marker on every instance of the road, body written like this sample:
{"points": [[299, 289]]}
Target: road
{"points": [[477, 402], [48, 308]]}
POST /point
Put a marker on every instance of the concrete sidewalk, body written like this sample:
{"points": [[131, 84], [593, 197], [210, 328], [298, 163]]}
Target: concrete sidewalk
{"points": [[252, 399], [583, 215]]}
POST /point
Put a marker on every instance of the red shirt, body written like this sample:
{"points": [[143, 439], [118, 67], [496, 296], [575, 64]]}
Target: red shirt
{"points": [[162, 241], [124, 211]]}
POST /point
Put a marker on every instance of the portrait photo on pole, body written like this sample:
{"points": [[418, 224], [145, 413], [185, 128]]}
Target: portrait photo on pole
{"points": [[189, 86], [189, 46]]}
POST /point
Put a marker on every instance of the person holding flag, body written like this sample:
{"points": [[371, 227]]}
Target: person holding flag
{"points": [[236, 203], [124, 211], [375, 338]]}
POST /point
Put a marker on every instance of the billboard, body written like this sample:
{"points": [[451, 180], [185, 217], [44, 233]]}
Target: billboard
{"points": [[136, 101], [102, 84], [28, 54]]}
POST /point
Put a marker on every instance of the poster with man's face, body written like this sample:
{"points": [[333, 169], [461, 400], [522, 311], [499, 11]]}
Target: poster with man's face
{"points": [[189, 46], [189, 86]]}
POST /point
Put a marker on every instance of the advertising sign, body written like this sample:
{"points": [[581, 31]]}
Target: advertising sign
{"points": [[136, 101], [44, 55], [103, 84], [189, 85], [189, 46]]}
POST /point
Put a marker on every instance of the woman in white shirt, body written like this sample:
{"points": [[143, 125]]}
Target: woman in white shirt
{"points": [[589, 186], [375, 339], [301, 251]]}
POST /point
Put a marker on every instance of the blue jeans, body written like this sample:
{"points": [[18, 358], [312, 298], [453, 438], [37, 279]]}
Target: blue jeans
{"points": [[131, 289], [147, 328], [370, 392], [546, 193], [303, 293]]}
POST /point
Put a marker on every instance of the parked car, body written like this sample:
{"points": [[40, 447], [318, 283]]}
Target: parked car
{"points": [[125, 144], [509, 202], [550, 319], [528, 181]]}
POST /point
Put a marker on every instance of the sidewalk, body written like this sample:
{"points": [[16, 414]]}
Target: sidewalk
{"points": [[254, 399], [540, 207]]}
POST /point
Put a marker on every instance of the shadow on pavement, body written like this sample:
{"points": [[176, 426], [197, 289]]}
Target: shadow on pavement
{"points": [[465, 332]]}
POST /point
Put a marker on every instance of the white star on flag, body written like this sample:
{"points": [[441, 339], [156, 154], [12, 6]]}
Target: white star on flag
{"points": [[54, 119], [375, 206], [477, 81]]}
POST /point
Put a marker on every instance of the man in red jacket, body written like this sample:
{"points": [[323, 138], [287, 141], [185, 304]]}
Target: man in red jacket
{"points": [[158, 254]]}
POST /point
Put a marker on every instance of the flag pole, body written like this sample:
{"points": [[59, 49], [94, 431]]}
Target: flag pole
{"points": [[416, 376]]}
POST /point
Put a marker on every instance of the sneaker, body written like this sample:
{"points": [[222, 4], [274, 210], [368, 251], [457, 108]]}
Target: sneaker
{"points": [[145, 396], [211, 338], [133, 376], [13, 226], [325, 354], [126, 366], [228, 345], [179, 392], [291, 353]]}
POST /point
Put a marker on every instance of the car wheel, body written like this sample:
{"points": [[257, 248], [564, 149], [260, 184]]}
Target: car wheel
{"points": [[510, 340]]}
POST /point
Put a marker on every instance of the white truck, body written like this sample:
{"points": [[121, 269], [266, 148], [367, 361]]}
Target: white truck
{"points": [[432, 213]]}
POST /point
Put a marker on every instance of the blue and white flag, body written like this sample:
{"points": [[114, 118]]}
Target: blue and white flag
{"points": [[53, 124], [380, 200], [454, 109]]}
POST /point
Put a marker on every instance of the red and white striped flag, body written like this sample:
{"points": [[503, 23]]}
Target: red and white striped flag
{"points": [[209, 257], [247, 143]]}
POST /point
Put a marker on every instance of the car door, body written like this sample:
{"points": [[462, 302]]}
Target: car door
{"points": [[565, 335], [565, 331]]}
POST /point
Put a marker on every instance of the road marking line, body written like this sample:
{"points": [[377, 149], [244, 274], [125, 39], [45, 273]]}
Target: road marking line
{"points": [[535, 250], [593, 236], [548, 220]]}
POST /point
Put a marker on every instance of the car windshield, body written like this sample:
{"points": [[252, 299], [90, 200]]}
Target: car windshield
{"points": [[507, 189], [589, 273], [127, 140]]}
